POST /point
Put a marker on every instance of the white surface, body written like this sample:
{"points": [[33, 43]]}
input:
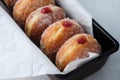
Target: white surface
{"points": [[107, 13]]}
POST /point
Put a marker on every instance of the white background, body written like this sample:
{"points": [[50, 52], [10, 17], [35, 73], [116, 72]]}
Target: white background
{"points": [[107, 14]]}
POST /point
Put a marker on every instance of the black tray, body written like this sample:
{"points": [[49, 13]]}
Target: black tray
{"points": [[109, 46]]}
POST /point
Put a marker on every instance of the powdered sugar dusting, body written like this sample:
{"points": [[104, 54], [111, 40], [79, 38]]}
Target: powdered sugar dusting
{"points": [[56, 14]]}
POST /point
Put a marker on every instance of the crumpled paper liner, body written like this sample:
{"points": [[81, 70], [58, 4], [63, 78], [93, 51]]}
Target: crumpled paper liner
{"points": [[74, 64], [19, 57]]}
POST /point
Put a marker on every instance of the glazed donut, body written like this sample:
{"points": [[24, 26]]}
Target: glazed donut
{"points": [[76, 47], [23, 8], [10, 3], [40, 19], [56, 34]]}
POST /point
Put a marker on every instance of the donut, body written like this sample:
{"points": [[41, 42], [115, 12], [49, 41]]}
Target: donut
{"points": [[76, 47], [56, 34], [10, 3], [40, 19], [23, 8]]}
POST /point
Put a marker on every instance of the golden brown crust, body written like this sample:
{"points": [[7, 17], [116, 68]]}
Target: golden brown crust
{"points": [[23, 8], [74, 49], [37, 22], [10, 3], [56, 34]]}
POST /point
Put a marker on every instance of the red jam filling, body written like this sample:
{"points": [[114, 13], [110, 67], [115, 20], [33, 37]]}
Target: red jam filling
{"points": [[46, 10], [82, 40], [67, 24]]}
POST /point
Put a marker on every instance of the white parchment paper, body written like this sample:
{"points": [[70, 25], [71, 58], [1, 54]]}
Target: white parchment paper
{"points": [[19, 57]]}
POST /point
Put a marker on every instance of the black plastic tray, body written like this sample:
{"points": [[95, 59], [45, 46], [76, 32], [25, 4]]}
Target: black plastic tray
{"points": [[109, 46]]}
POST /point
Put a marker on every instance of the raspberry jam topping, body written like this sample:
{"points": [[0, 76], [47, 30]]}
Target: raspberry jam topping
{"points": [[46, 10], [82, 40], [67, 24]]}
